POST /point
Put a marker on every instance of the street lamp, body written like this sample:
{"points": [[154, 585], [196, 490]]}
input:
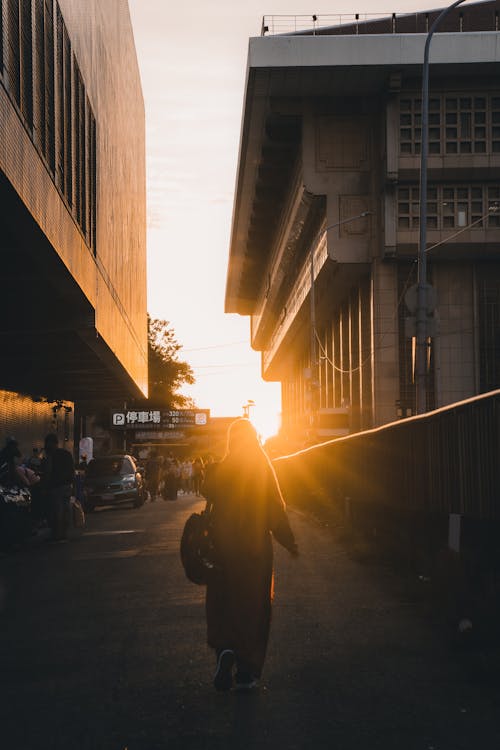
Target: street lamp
{"points": [[247, 407], [422, 286]]}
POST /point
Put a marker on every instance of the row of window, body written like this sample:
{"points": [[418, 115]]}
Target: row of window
{"points": [[450, 206], [41, 74], [457, 124]]}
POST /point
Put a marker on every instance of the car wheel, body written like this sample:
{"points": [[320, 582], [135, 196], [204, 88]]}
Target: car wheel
{"points": [[138, 500]]}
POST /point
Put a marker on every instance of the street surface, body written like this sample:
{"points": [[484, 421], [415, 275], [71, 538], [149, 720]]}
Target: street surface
{"points": [[103, 648]]}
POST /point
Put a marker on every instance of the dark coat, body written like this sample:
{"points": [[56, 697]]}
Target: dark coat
{"points": [[247, 510], [58, 469]]}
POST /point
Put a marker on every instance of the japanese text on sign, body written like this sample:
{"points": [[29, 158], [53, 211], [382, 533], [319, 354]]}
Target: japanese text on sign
{"points": [[155, 419], [121, 419]]}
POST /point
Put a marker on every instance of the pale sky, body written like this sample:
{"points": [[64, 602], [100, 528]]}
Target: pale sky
{"points": [[193, 66]]}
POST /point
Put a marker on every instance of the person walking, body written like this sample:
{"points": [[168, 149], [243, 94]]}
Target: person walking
{"points": [[58, 476], [246, 508]]}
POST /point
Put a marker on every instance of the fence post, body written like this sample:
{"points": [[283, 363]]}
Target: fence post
{"points": [[454, 531]]}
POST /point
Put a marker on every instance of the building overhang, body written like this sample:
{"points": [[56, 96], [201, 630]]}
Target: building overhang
{"points": [[284, 72], [50, 342]]}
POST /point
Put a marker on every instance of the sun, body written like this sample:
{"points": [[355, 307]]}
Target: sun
{"points": [[265, 421]]}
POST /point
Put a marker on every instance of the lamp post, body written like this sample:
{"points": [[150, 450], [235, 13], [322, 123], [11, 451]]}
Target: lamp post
{"points": [[313, 348], [247, 407], [422, 286]]}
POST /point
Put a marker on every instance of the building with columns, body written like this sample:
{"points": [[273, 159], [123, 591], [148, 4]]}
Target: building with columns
{"points": [[73, 213], [327, 199]]}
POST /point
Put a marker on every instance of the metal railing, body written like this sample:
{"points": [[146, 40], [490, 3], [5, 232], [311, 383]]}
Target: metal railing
{"points": [[479, 16], [442, 462], [283, 24]]}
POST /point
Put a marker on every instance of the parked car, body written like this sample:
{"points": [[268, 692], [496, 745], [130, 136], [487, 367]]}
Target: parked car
{"points": [[113, 479]]}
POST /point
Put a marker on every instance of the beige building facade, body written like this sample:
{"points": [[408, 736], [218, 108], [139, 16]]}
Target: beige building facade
{"points": [[73, 197], [327, 199]]}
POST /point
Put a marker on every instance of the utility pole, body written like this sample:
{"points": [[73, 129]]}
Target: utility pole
{"points": [[422, 286]]}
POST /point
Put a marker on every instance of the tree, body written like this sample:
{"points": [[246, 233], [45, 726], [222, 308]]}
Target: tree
{"points": [[167, 374]]}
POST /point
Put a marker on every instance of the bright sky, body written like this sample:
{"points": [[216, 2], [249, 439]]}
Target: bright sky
{"points": [[193, 65]]}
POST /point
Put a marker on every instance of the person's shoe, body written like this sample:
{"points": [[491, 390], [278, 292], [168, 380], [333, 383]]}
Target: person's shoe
{"points": [[223, 678], [246, 681]]}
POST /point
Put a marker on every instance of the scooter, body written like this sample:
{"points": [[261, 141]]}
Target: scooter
{"points": [[15, 515]]}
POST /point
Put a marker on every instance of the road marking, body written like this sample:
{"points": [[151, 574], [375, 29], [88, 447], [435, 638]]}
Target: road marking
{"points": [[124, 553], [112, 533]]}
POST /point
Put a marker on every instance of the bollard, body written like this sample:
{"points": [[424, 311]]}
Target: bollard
{"points": [[454, 531]]}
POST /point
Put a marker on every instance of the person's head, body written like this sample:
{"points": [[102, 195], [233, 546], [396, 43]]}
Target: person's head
{"points": [[51, 442], [242, 436]]}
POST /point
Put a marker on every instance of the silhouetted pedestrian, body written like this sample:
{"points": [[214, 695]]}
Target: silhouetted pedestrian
{"points": [[10, 462], [246, 507], [58, 475], [198, 474]]}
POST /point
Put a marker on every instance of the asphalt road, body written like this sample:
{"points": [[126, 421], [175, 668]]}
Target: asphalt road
{"points": [[103, 648]]}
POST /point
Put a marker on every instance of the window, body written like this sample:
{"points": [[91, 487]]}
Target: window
{"points": [[43, 82], [26, 62], [410, 126], [462, 206], [494, 206], [13, 51], [458, 124], [93, 182], [2, 64], [18, 61], [64, 111], [39, 77], [465, 118], [78, 124], [410, 121], [42, 76], [495, 124], [85, 166], [48, 82], [409, 207], [450, 206]]}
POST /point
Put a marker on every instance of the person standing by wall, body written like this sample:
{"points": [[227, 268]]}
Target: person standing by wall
{"points": [[58, 476], [246, 507], [153, 474], [198, 474]]}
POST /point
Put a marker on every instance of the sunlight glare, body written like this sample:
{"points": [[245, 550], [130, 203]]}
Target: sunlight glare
{"points": [[265, 421]]}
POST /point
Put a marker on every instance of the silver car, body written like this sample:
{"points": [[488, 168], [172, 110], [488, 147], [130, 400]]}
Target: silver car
{"points": [[113, 479]]}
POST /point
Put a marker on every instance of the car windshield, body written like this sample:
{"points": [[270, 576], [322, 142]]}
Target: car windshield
{"points": [[110, 466]]}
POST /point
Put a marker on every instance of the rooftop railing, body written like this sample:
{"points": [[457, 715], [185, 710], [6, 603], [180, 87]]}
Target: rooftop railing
{"points": [[311, 24], [481, 16]]}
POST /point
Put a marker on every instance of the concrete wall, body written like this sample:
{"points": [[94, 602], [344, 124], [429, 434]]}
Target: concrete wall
{"points": [[456, 340], [385, 341]]}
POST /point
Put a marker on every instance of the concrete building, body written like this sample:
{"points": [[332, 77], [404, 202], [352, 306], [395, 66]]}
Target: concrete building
{"points": [[73, 212], [328, 190]]}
